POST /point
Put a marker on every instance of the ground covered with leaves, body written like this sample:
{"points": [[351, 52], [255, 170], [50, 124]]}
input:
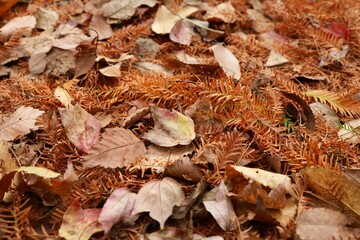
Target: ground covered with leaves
{"points": [[180, 119]]}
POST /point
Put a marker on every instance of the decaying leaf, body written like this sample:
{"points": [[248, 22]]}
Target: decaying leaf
{"points": [[63, 96], [26, 23], [79, 224], [222, 209], [181, 33], [20, 123], [349, 132], [118, 208], [102, 28], [184, 168], [326, 224], [223, 12], [171, 128], [81, 127], [227, 60], [118, 147], [159, 197], [148, 67]]}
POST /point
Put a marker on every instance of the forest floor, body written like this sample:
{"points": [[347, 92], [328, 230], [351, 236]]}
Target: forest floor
{"points": [[181, 119]]}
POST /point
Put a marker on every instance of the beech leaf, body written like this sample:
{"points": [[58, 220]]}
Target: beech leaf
{"points": [[171, 128], [118, 147], [159, 197], [79, 224], [222, 209], [118, 208], [228, 62], [81, 127], [20, 123]]}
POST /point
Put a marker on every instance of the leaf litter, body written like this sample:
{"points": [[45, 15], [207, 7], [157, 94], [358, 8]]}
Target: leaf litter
{"points": [[179, 120]]}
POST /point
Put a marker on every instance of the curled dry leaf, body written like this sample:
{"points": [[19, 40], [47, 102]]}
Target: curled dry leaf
{"points": [[81, 127], [159, 197], [118, 208], [79, 224], [118, 147], [222, 209], [227, 60], [20, 123], [171, 128]]}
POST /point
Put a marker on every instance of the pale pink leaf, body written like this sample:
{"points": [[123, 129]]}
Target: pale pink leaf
{"points": [[79, 224], [222, 209], [181, 33], [228, 62], [20, 123], [81, 128], [118, 208], [171, 128], [118, 147], [70, 175], [159, 197]]}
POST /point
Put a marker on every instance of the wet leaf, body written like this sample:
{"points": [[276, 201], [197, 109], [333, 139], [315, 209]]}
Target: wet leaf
{"points": [[171, 128], [159, 197]]}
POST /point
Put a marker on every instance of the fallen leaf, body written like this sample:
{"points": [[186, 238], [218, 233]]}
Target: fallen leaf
{"points": [[118, 147], [46, 19], [222, 209], [199, 237], [165, 20], [335, 188], [37, 63], [79, 224], [223, 12], [275, 59], [118, 208], [171, 128], [265, 178], [111, 71], [39, 171], [102, 28], [60, 62], [8, 164], [159, 197], [81, 128], [349, 132], [259, 23], [20, 123], [85, 56], [227, 61], [168, 233], [148, 67], [325, 112], [25, 23], [326, 224], [181, 33], [124, 9], [63, 96], [184, 168]]}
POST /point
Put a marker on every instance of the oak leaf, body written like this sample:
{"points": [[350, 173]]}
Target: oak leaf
{"points": [[20, 123], [79, 224], [81, 127], [118, 208], [118, 147], [159, 197], [171, 128]]}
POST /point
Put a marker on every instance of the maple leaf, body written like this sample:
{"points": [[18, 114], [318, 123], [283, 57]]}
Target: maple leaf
{"points": [[159, 197], [20, 123], [118, 147], [326, 224], [118, 208], [222, 209], [171, 128], [81, 127], [79, 224]]}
